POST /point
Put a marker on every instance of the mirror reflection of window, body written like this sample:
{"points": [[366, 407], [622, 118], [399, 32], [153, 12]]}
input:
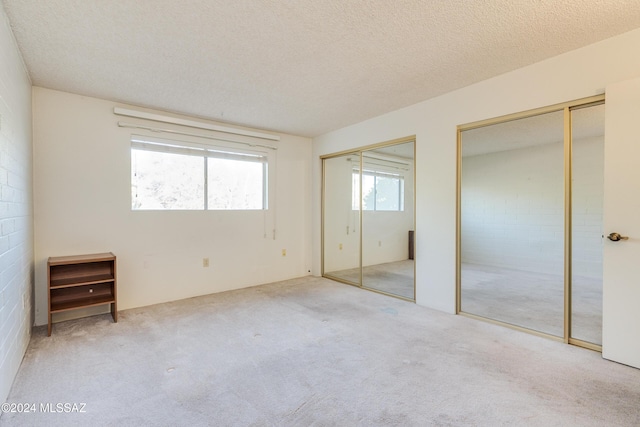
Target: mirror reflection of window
{"points": [[381, 191]]}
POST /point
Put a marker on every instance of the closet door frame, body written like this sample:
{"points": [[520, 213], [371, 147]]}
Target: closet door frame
{"points": [[566, 107], [359, 151]]}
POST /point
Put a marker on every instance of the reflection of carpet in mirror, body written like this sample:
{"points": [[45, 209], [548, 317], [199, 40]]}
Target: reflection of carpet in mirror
{"points": [[533, 300], [392, 277]]}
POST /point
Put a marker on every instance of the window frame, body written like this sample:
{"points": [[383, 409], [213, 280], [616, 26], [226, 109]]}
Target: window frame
{"points": [[355, 205], [206, 152]]}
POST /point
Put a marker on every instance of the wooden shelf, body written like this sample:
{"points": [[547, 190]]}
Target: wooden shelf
{"points": [[79, 259], [88, 302], [79, 281], [82, 281]]}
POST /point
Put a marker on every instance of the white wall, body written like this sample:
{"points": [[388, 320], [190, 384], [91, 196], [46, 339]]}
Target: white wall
{"points": [[385, 235], [16, 221], [587, 209], [577, 74], [512, 205], [513, 208], [342, 223], [83, 205]]}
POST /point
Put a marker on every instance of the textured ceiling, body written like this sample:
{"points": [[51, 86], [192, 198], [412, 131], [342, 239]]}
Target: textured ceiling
{"points": [[303, 67]]}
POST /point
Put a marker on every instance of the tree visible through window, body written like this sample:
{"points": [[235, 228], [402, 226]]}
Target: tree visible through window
{"points": [[235, 184], [172, 177], [381, 191]]}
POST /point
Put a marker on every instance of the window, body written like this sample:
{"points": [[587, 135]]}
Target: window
{"points": [[381, 191], [170, 175]]}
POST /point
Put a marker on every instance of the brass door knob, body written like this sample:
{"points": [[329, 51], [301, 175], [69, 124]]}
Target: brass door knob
{"points": [[616, 237]]}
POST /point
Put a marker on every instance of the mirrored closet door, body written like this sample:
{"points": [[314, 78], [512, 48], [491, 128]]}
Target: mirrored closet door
{"points": [[368, 218], [530, 221], [512, 222]]}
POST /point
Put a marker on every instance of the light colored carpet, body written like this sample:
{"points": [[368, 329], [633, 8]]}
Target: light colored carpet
{"points": [[528, 299], [308, 352], [392, 277], [532, 300]]}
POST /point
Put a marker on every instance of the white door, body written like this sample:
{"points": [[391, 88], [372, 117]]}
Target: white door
{"points": [[621, 275]]}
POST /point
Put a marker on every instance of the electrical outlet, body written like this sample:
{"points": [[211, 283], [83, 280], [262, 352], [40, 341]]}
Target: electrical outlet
{"points": [[205, 262], [284, 252], [379, 242], [340, 246]]}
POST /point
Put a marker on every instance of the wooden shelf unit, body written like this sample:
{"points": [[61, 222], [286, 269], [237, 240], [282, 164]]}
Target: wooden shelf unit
{"points": [[82, 281]]}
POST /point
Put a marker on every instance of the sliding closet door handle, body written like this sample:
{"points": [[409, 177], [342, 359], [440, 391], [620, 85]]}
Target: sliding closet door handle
{"points": [[616, 237]]}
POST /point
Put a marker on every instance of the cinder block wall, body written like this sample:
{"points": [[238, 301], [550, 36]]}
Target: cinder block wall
{"points": [[16, 218], [513, 208]]}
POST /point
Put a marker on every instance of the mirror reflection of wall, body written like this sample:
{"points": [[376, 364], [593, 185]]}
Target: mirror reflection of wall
{"points": [[512, 204], [384, 210], [341, 222], [587, 214]]}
